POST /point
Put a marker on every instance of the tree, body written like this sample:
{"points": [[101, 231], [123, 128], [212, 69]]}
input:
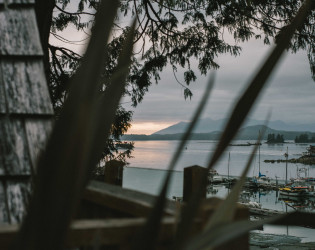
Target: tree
{"points": [[272, 138], [304, 138], [171, 32]]}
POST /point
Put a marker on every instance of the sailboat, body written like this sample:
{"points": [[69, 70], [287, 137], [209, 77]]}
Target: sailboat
{"points": [[261, 179], [229, 181]]}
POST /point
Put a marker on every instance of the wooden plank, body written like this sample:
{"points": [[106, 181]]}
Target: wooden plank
{"points": [[20, 2], [19, 33], [112, 231], [101, 232], [37, 132], [14, 155], [17, 198], [124, 200], [25, 87]]}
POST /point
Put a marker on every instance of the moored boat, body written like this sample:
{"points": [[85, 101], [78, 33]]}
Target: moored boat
{"points": [[295, 191]]}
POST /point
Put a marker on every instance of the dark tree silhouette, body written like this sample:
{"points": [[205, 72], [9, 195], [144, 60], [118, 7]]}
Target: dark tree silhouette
{"points": [[169, 33]]}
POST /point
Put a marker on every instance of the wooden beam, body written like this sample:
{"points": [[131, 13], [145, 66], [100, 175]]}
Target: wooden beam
{"points": [[97, 232], [124, 200]]}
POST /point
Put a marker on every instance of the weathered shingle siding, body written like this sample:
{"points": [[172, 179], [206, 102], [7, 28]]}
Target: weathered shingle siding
{"points": [[19, 34], [14, 148], [26, 91], [20, 2], [25, 107]]}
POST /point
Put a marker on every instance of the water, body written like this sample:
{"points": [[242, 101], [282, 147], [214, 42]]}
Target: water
{"points": [[151, 158], [157, 155]]}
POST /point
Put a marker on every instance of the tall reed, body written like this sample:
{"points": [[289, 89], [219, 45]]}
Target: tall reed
{"points": [[79, 135]]}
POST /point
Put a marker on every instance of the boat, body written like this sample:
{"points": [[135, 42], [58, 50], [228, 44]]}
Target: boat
{"points": [[310, 151], [212, 172], [261, 180], [299, 187], [297, 191], [216, 179], [229, 181]]}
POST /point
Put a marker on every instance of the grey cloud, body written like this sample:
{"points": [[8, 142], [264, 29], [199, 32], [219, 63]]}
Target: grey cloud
{"points": [[290, 92]]}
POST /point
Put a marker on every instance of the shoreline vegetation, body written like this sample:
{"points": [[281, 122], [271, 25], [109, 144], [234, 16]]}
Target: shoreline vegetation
{"points": [[247, 133], [302, 160]]}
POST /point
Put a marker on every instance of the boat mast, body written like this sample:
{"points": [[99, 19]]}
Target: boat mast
{"points": [[229, 167], [286, 166], [259, 155], [259, 160]]}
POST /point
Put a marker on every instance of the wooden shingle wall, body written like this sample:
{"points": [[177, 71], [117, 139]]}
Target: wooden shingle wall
{"points": [[25, 107]]}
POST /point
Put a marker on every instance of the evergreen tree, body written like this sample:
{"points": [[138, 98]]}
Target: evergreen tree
{"points": [[170, 32]]}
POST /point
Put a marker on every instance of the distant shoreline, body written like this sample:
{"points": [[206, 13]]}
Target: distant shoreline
{"points": [[247, 133]]}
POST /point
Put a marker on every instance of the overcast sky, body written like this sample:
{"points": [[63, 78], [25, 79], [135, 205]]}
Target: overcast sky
{"points": [[290, 93]]}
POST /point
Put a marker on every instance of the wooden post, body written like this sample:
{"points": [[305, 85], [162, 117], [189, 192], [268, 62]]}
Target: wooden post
{"points": [[114, 172], [194, 176]]}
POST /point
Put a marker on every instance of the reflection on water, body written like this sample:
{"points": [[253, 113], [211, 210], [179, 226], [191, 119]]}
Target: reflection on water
{"points": [[157, 155], [149, 181], [145, 173]]}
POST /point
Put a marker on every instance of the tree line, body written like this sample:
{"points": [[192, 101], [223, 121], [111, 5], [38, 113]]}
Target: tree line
{"points": [[272, 138], [304, 138]]}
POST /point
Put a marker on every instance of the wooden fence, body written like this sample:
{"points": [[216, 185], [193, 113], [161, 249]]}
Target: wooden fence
{"points": [[110, 215]]}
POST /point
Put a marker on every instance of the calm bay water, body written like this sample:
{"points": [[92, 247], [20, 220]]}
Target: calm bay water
{"points": [[146, 172], [157, 155]]}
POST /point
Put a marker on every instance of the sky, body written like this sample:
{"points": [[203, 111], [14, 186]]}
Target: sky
{"points": [[290, 92]]}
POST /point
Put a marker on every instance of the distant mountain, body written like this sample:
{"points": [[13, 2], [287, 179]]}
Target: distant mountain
{"points": [[247, 133], [251, 133], [209, 125]]}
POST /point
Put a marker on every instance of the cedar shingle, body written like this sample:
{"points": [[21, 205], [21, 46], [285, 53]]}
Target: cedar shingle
{"points": [[19, 33], [14, 156], [25, 87], [20, 2]]}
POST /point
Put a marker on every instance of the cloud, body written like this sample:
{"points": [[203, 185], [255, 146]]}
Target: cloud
{"points": [[290, 92]]}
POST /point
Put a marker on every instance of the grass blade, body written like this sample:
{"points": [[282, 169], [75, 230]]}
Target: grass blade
{"points": [[149, 234], [71, 149], [224, 233], [247, 100], [238, 116], [226, 211]]}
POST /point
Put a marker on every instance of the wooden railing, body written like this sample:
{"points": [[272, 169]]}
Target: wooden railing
{"points": [[110, 215]]}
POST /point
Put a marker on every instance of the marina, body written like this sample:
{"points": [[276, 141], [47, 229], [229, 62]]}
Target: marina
{"points": [[145, 173]]}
